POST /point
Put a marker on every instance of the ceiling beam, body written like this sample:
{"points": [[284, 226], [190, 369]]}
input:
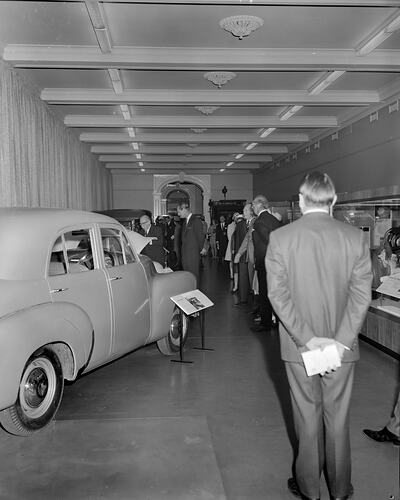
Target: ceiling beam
{"points": [[210, 97], [200, 121], [194, 58], [184, 159], [203, 166], [283, 3], [188, 138], [199, 149]]}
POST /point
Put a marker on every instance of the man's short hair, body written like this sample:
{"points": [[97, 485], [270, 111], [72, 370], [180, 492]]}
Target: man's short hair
{"points": [[184, 204], [262, 200], [317, 189]]}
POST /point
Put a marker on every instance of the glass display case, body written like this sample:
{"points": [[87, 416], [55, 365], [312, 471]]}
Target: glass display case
{"points": [[379, 219]]}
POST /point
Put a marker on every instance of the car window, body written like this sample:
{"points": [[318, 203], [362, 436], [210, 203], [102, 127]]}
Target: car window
{"points": [[79, 250], [71, 253], [112, 247], [130, 256], [57, 263]]}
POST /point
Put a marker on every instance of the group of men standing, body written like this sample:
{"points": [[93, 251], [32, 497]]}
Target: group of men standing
{"points": [[315, 274]]}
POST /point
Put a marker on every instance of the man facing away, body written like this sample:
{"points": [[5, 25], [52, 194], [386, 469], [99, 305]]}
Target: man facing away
{"points": [[319, 283], [192, 240]]}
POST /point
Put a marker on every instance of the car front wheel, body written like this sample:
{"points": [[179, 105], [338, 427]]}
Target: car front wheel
{"points": [[170, 344], [39, 395]]}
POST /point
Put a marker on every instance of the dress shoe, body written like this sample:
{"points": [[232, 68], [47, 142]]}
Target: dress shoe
{"points": [[294, 489], [384, 435], [349, 495]]}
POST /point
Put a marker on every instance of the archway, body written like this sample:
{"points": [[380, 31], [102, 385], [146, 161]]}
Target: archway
{"points": [[164, 183]]}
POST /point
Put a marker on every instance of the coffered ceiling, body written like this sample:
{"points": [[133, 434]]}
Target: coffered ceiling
{"points": [[129, 76]]}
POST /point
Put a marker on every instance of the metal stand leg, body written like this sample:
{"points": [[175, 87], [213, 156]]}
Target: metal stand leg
{"points": [[202, 325], [180, 360]]}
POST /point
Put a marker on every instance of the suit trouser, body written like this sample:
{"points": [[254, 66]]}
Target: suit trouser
{"points": [[192, 264], [394, 423], [265, 305], [321, 417]]}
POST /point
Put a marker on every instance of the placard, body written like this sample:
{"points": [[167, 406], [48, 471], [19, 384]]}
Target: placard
{"points": [[192, 302]]}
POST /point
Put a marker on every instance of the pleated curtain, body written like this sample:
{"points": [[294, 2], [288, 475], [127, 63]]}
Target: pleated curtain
{"points": [[42, 163]]}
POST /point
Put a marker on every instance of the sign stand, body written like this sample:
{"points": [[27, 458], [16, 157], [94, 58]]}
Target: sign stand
{"points": [[180, 360], [193, 303], [202, 319]]}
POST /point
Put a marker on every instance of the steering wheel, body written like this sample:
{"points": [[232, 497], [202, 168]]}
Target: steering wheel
{"points": [[87, 260], [108, 258]]}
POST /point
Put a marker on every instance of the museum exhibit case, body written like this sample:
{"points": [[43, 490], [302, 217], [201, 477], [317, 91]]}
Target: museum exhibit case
{"points": [[378, 216]]}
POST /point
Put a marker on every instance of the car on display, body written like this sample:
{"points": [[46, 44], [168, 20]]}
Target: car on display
{"points": [[75, 295]]}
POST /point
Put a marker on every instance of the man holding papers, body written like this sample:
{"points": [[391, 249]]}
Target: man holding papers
{"points": [[319, 284]]}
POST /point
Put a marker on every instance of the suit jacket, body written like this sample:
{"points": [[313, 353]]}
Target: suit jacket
{"points": [[319, 283], [222, 238], [155, 249], [264, 224], [192, 241]]}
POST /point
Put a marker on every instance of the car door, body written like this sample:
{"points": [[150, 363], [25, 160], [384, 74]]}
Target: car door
{"points": [[75, 276], [129, 291]]}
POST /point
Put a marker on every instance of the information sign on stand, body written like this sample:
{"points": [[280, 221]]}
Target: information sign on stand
{"points": [[193, 303]]}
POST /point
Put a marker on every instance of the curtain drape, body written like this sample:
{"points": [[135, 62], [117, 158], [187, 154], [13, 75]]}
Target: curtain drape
{"points": [[42, 163]]}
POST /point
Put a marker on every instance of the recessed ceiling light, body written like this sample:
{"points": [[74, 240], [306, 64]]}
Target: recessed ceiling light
{"points": [[251, 146], [229, 164], [143, 170], [240, 155], [222, 170]]}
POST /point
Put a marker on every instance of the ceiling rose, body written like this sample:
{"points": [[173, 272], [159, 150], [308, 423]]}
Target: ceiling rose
{"points": [[241, 26], [219, 78], [198, 130], [206, 110]]}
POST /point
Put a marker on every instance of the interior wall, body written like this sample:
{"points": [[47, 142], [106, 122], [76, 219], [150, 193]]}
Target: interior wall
{"points": [[134, 190], [365, 156], [42, 163]]}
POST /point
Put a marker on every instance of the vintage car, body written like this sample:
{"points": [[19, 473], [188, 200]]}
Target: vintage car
{"points": [[74, 296]]}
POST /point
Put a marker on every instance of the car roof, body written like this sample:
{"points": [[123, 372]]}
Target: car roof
{"points": [[27, 233]]}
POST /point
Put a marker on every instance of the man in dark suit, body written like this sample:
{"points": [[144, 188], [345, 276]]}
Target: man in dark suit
{"points": [[192, 240], [221, 238], [319, 281], [155, 249], [264, 224]]}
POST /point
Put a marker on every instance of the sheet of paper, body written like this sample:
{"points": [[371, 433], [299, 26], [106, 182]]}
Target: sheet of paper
{"points": [[317, 361], [192, 302], [390, 285]]}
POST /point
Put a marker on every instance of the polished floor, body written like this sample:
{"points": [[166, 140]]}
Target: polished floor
{"points": [[144, 428]]}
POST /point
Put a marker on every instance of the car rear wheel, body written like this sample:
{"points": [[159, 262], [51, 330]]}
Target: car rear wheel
{"points": [[170, 344], [39, 395]]}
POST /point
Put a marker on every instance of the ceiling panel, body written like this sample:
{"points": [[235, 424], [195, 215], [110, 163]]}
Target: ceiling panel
{"points": [[127, 75]]}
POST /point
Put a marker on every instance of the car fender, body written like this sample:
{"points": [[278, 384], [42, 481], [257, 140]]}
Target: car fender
{"points": [[24, 332], [163, 286]]}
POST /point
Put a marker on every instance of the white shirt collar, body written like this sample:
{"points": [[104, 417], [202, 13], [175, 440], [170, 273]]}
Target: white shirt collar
{"points": [[312, 210]]}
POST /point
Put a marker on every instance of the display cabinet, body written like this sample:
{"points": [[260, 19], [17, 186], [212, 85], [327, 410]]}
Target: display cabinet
{"points": [[379, 219]]}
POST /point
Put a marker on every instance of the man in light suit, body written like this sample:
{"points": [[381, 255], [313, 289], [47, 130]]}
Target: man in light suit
{"points": [[192, 240], [319, 283]]}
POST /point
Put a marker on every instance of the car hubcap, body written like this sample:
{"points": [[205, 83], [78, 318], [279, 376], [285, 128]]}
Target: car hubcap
{"points": [[177, 320], [37, 387]]}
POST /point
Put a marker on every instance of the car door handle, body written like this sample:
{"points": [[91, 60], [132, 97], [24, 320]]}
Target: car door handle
{"points": [[57, 290], [115, 278]]}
